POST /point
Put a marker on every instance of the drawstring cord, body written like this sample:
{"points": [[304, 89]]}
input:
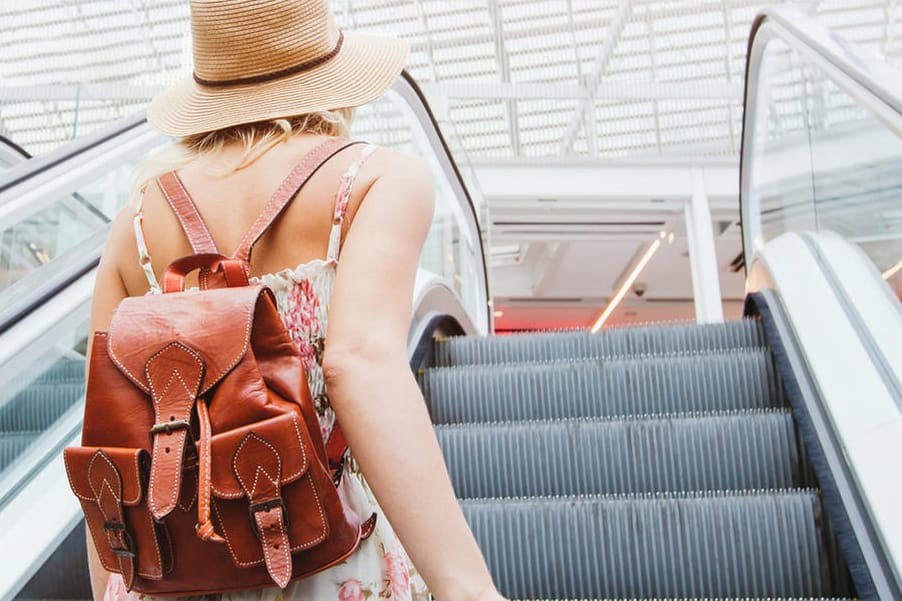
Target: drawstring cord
{"points": [[205, 529]]}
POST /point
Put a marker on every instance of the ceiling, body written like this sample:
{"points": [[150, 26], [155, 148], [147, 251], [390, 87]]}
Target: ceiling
{"points": [[588, 124]]}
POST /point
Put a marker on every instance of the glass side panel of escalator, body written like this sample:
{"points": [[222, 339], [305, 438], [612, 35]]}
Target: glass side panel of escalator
{"points": [[825, 159], [41, 403]]}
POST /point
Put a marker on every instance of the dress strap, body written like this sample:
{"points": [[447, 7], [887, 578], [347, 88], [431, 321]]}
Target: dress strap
{"points": [[288, 189], [341, 202], [143, 254], [184, 208]]}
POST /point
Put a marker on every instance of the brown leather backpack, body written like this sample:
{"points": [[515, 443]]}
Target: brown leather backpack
{"points": [[203, 469]]}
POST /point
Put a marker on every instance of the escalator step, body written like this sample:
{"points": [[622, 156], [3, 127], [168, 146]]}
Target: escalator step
{"points": [[64, 370], [735, 451], [597, 388], [760, 544], [615, 342], [38, 406], [13, 445]]}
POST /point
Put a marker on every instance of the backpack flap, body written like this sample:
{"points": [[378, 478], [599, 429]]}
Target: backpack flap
{"points": [[265, 501], [215, 324], [109, 484]]}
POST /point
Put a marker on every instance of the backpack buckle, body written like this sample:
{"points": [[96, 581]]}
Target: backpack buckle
{"points": [[129, 549], [265, 506], [170, 427]]}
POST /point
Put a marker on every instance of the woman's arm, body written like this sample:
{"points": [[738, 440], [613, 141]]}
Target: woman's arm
{"points": [[109, 290], [374, 393]]}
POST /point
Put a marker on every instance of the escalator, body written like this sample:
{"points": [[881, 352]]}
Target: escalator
{"points": [[747, 460]]}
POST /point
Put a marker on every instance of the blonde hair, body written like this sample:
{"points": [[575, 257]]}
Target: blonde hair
{"points": [[256, 139]]}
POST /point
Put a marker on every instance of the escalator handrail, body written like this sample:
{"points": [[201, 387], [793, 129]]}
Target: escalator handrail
{"points": [[77, 148], [873, 75], [410, 81], [15, 147], [874, 82]]}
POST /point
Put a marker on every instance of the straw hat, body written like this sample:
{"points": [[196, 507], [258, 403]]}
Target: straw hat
{"points": [[256, 60]]}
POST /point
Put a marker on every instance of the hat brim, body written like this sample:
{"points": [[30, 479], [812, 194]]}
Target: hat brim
{"points": [[362, 71]]}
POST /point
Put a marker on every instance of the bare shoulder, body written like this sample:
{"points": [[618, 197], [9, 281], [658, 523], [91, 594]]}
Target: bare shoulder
{"points": [[120, 255], [401, 181]]}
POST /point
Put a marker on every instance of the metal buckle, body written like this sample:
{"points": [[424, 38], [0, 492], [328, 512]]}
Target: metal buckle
{"points": [[336, 477], [170, 427], [129, 550], [114, 526], [266, 506]]}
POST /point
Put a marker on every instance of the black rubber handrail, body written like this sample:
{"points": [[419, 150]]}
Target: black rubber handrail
{"points": [[36, 166], [15, 147], [419, 92]]}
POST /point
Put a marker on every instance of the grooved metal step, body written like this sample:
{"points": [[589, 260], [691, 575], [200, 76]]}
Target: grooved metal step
{"points": [[14, 444], [616, 342], [732, 451], [762, 544], [39, 405], [597, 388]]}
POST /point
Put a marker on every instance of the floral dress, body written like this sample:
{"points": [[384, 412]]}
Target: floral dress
{"points": [[379, 568]]}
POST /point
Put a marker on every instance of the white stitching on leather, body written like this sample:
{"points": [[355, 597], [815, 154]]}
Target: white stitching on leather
{"points": [[284, 479], [112, 353], [180, 448], [322, 518], [191, 500], [137, 456], [247, 336], [156, 545], [213, 379], [243, 564], [91, 484], [297, 431], [72, 482], [275, 451], [96, 538]]}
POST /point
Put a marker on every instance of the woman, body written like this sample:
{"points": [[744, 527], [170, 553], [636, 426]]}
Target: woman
{"points": [[273, 79]]}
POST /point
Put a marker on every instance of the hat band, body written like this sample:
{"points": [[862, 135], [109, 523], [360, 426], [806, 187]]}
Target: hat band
{"points": [[305, 66]]}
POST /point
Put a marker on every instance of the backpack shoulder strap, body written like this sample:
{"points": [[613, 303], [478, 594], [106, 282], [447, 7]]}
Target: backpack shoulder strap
{"points": [[189, 217], [287, 190]]}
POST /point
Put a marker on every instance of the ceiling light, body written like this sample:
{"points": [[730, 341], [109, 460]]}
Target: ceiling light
{"points": [[625, 286], [498, 313], [892, 271]]}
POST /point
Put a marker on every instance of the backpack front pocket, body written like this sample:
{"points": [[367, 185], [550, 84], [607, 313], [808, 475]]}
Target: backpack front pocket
{"points": [[265, 500], [110, 484]]}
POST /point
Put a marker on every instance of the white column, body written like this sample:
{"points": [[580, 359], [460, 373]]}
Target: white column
{"points": [[702, 253]]}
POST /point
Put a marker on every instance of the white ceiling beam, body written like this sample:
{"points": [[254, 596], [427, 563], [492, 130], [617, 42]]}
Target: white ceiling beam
{"points": [[501, 57], [626, 90], [592, 82], [560, 183], [547, 267]]}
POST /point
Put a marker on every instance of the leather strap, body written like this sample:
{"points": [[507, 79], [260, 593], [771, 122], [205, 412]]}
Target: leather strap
{"points": [[215, 269], [174, 375], [106, 483], [367, 528], [258, 468], [186, 211], [287, 190], [335, 447], [205, 529]]}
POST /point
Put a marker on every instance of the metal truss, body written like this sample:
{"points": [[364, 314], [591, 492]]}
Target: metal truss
{"points": [[518, 79]]}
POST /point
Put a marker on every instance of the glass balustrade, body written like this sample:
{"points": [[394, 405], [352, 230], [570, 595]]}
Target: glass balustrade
{"points": [[824, 152]]}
